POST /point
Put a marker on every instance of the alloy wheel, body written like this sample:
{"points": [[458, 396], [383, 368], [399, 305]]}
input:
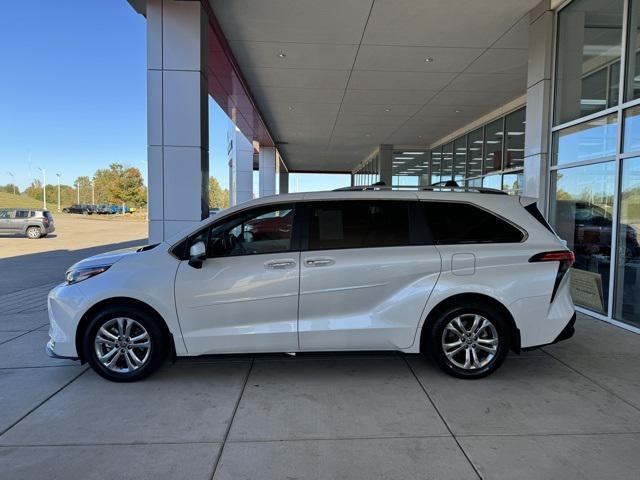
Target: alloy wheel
{"points": [[122, 345], [470, 341]]}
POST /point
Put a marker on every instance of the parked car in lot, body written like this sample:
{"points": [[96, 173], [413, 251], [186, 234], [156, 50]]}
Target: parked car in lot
{"points": [[461, 274], [79, 208], [34, 223]]}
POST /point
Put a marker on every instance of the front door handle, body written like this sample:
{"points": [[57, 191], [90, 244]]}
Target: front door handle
{"points": [[319, 262], [279, 264]]}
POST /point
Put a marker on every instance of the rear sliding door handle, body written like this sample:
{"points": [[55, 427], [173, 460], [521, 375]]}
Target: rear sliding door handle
{"points": [[319, 262], [279, 264]]}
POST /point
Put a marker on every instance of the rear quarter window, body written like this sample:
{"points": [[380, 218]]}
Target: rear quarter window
{"points": [[462, 223]]}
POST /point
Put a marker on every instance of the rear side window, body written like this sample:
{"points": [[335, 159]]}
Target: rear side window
{"points": [[453, 223], [22, 213], [358, 224]]}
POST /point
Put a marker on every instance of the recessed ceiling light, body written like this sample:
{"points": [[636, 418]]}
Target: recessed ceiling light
{"points": [[282, 54], [404, 158], [388, 109], [413, 153], [292, 108], [457, 111], [428, 59], [419, 136]]}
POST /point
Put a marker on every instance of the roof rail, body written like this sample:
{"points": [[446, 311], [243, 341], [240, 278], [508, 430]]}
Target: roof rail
{"points": [[362, 188]]}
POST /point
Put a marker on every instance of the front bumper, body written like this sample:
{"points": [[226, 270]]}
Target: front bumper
{"points": [[65, 305], [49, 350]]}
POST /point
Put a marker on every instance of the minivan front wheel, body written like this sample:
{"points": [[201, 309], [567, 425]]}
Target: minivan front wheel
{"points": [[34, 232], [470, 342], [124, 344]]}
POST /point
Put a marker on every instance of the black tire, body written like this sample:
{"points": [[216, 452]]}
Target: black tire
{"points": [[502, 330], [34, 232], [158, 350]]}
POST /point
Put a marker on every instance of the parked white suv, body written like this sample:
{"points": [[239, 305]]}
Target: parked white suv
{"points": [[463, 276]]}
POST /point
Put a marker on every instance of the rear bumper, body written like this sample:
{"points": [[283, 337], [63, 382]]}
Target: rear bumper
{"points": [[566, 333]]}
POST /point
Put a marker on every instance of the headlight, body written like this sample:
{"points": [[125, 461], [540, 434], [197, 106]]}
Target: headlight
{"points": [[75, 275]]}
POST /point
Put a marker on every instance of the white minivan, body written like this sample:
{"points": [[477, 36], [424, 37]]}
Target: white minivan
{"points": [[461, 274]]}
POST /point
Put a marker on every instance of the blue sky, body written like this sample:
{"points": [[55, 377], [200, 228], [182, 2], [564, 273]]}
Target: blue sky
{"points": [[73, 93]]}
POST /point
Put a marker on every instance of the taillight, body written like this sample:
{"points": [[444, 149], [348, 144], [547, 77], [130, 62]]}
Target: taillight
{"points": [[566, 259], [45, 222]]}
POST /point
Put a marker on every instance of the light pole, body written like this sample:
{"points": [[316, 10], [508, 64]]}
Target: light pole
{"points": [[44, 187], [78, 190], [93, 191], [13, 182], [58, 175]]}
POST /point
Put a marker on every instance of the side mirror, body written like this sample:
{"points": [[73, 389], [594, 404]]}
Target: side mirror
{"points": [[197, 254]]}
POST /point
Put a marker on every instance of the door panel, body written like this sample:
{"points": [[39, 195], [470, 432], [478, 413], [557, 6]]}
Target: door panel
{"points": [[239, 304], [364, 299]]}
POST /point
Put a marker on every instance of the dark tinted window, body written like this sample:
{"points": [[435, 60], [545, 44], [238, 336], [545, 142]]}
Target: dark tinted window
{"points": [[22, 213], [452, 223], [358, 224]]}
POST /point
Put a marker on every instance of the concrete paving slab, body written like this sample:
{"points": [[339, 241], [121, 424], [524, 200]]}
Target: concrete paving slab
{"points": [[528, 396], [108, 462], [23, 389], [6, 336], [366, 459], [176, 404], [23, 322], [595, 337], [566, 457], [333, 399], [619, 374], [29, 351]]}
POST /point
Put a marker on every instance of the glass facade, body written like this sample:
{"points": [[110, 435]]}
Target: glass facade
{"points": [[594, 195], [491, 156], [588, 58]]}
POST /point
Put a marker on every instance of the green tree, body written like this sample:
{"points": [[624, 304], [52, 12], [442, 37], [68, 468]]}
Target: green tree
{"points": [[218, 197], [118, 184], [10, 188]]}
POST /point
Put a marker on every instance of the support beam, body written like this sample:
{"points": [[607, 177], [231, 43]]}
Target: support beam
{"points": [[538, 126], [267, 171], [385, 163], [241, 179], [177, 116]]}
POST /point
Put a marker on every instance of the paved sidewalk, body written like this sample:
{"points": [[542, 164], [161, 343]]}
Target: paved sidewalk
{"points": [[568, 411]]}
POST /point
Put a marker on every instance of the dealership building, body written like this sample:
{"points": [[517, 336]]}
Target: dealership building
{"points": [[534, 98]]}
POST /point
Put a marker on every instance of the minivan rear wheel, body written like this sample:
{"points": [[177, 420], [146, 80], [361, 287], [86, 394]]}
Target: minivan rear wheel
{"points": [[470, 341], [124, 343], [34, 232]]}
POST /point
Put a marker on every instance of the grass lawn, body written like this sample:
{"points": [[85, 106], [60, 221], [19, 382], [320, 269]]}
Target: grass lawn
{"points": [[9, 200]]}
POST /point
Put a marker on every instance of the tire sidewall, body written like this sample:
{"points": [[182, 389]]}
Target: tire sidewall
{"points": [[149, 322], [435, 340]]}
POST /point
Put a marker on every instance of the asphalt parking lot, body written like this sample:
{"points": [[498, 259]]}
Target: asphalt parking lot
{"points": [[569, 411]]}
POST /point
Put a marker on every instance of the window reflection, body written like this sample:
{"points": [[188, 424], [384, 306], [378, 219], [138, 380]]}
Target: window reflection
{"points": [[474, 146], [627, 305], [493, 146], [581, 213], [587, 141], [459, 159], [514, 138], [588, 63], [632, 129], [447, 162]]}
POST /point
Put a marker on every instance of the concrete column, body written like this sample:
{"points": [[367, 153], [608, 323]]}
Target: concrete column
{"points": [[241, 170], [385, 163], [177, 116], [267, 171], [538, 127], [284, 181]]}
